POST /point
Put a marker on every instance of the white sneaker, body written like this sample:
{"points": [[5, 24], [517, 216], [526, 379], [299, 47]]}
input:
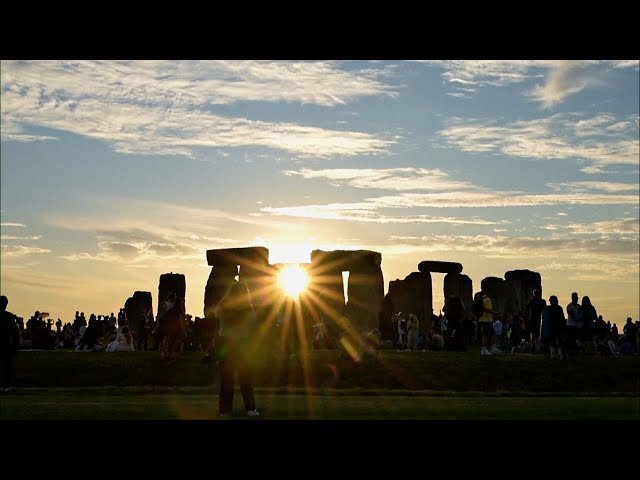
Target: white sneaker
{"points": [[253, 413], [484, 351], [496, 350]]}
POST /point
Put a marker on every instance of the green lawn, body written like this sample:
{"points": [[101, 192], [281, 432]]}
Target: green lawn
{"points": [[326, 385], [408, 371], [201, 404]]}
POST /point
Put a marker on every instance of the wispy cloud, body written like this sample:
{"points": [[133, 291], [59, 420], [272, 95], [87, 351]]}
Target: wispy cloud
{"points": [[140, 252], [627, 226], [14, 237], [553, 137], [566, 78], [21, 250], [365, 213], [10, 224], [190, 83], [610, 187], [508, 247], [562, 77], [408, 178], [126, 104], [482, 73]]}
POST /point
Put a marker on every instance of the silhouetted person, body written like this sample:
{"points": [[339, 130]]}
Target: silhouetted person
{"points": [[456, 316], [630, 333], [553, 325], [589, 317], [574, 321], [234, 347], [9, 345], [486, 326], [535, 307], [172, 327]]}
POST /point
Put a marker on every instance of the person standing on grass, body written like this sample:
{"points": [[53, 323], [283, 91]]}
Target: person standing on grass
{"points": [[535, 307], [233, 347], [574, 321], [486, 327], [9, 344]]}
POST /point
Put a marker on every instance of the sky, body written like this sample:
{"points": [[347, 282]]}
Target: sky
{"points": [[114, 172]]}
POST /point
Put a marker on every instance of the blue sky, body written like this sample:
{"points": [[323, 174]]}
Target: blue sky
{"points": [[116, 172]]}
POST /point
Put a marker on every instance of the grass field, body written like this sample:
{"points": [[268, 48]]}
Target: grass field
{"points": [[201, 404], [327, 385]]}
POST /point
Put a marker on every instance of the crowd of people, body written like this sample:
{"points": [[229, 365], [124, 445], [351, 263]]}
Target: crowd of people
{"points": [[539, 328]]}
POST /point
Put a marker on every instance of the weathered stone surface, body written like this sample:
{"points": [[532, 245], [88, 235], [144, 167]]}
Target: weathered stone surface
{"points": [[325, 296], [238, 256], [524, 282], [171, 282], [413, 295], [261, 282], [220, 279], [385, 319], [346, 260], [419, 297], [145, 300], [137, 308], [461, 286], [502, 295], [427, 266], [365, 291]]}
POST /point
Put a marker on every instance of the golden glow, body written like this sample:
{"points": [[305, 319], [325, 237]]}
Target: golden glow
{"points": [[293, 280]]}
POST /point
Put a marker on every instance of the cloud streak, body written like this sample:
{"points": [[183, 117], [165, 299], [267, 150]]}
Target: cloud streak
{"points": [[164, 108], [562, 77], [11, 224], [561, 136], [12, 251], [408, 178]]}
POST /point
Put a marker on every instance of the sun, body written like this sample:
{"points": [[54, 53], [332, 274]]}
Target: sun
{"points": [[293, 280]]}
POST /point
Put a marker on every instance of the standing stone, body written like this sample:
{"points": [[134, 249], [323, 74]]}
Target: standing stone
{"points": [[171, 282], [461, 286], [326, 294], [413, 295], [502, 294], [523, 282], [365, 291], [385, 322], [397, 296], [137, 308], [492, 287], [220, 279]]}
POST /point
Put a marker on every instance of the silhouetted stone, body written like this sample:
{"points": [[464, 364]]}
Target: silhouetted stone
{"points": [[428, 266], [385, 319], [413, 295], [365, 291], [502, 294], [137, 308], [461, 286], [238, 256], [171, 282], [524, 282], [220, 279], [262, 282], [325, 297]]}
